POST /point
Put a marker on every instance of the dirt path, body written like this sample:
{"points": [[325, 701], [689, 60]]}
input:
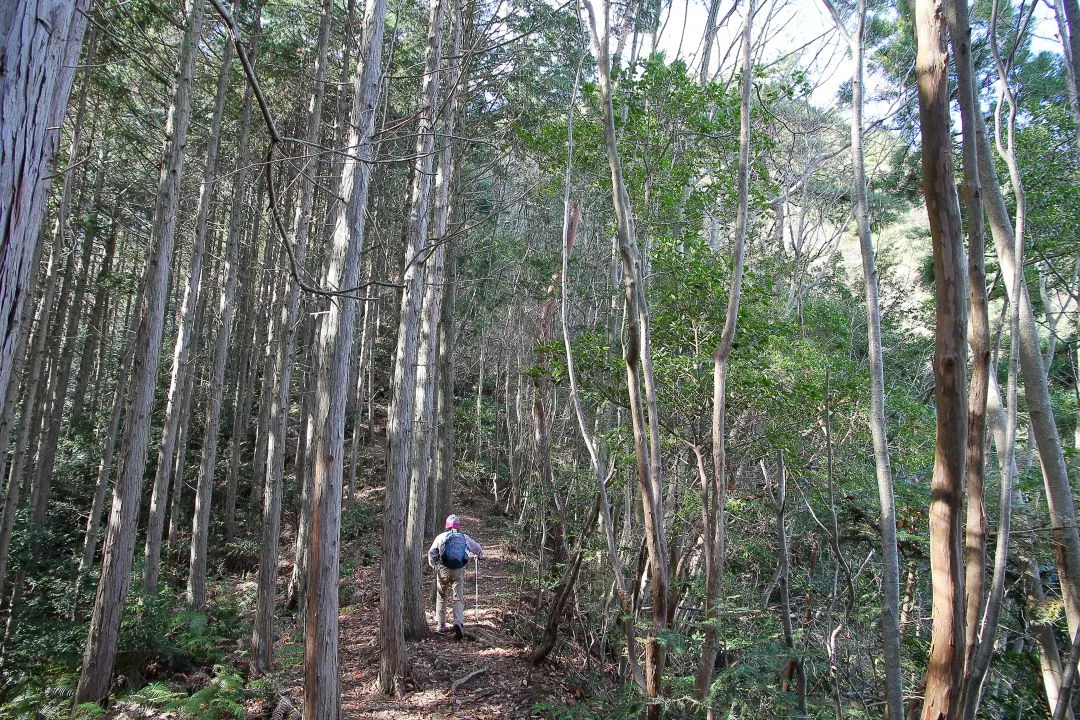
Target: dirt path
{"points": [[505, 686]]}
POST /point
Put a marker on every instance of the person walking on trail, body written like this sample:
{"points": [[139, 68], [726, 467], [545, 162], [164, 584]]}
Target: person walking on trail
{"points": [[449, 555]]}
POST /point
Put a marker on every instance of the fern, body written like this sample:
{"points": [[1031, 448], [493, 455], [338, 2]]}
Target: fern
{"points": [[87, 711]]}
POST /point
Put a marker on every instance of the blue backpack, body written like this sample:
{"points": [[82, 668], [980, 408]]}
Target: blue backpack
{"points": [[455, 551]]}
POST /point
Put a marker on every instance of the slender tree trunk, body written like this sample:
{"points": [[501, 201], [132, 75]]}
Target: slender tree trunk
{"points": [[95, 332], [68, 322], [639, 370], [427, 381], [181, 358], [262, 638], [401, 560], [14, 482], [97, 503], [40, 42], [321, 683], [714, 490], [943, 676], [200, 528], [177, 521], [1071, 47], [1066, 539], [890, 612], [268, 342], [980, 631], [1042, 631], [97, 665], [444, 412], [297, 593]]}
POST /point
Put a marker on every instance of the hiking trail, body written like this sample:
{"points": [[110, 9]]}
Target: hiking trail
{"points": [[483, 677]]}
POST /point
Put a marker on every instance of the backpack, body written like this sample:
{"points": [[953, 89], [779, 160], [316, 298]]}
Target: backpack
{"points": [[455, 551]]}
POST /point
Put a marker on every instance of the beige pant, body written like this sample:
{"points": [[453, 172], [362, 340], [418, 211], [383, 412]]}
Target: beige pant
{"points": [[451, 586]]}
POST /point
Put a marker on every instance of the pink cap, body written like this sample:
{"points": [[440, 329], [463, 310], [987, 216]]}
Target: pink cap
{"points": [[453, 521]]}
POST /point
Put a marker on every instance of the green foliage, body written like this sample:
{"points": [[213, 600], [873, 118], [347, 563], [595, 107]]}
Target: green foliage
{"points": [[597, 704], [358, 520], [220, 699]]}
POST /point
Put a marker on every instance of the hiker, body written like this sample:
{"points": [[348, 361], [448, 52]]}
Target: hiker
{"points": [[449, 554]]}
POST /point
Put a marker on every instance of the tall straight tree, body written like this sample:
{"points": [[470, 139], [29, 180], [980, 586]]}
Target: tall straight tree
{"points": [[262, 638], [427, 380], [401, 561], [943, 674], [714, 489], [40, 42], [37, 387], [181, 359], [322, 697], [981, 616], [200, 528], [1055, 472], [639, 371], [100, 654], [890, 572]]}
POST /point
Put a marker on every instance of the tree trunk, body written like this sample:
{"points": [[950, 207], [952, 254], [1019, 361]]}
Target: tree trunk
{"points": [[14, 482], [943, 692], [40, 44], [1066, 539], [1071, 47], [68, 323], [95, 330], [97, 665], [980, 630], [714, 489], [638, 358], [262, 638], [97, 503], [177, 521], [794, 665], [427, 381], [1042, 631], [321, 683], [200, 528], [181, 359], [890, 613], [444, 412], [401, 560]]}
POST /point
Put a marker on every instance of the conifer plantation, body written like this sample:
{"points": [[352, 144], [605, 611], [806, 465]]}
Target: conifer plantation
{"points": [[743, 336]]}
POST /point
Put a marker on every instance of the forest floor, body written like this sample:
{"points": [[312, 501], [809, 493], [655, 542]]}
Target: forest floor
{"points": [[484, 676]]}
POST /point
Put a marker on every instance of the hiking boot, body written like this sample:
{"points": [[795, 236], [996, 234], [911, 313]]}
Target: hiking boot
{"points": [[458, 632]]}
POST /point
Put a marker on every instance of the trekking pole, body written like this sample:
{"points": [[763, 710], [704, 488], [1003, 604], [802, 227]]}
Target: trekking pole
{"points": [[476, 603]]}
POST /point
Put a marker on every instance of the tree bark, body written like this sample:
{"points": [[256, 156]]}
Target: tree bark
{"points": [[639, 370], [427, 381], [714, 490], [262, 638], [890, 612], [95, 329], [1066, 539], [40, 44], [980, 631], [181, 358], [943, 676], [200, 527], [321, 683], [401, 611], [14, 482], [97, 665]]}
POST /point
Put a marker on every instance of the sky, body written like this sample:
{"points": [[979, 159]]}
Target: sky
{"points": [[797, 25]]}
